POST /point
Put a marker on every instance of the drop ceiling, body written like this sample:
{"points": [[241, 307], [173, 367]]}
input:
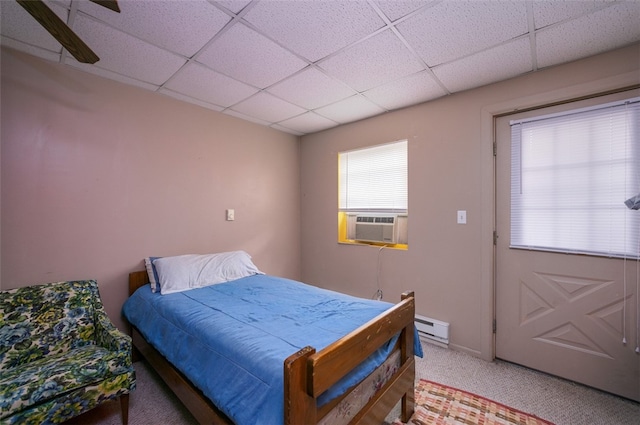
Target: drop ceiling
{"points": [[308, 65]]}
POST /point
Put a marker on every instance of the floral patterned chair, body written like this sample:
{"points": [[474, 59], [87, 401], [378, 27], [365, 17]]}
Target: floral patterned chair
{"points": [[60, 355]]}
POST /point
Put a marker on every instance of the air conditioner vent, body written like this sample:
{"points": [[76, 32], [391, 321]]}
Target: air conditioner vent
{"points": [[377, 228]]}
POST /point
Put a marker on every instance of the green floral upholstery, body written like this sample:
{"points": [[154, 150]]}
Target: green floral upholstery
{"points": [[60, 355]]}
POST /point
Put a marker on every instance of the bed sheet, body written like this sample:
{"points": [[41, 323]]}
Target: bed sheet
{"points": [[231, 339]]}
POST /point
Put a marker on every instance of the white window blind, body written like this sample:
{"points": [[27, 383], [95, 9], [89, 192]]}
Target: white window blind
{"points": [[374, 179], [571, 174]]}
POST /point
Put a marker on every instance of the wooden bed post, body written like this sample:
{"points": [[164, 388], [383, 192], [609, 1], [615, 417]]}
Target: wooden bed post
{"points": [[407, 353], [299, 406]]}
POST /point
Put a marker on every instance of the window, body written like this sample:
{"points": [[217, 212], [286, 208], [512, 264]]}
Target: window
{"points": [[374, 181], [571, 174]]}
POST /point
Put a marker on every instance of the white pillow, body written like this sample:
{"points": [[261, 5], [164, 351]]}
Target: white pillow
{"points": [[191, 271], [152, 273]]}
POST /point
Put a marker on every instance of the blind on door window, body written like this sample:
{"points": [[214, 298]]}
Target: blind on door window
{"points": [[374, 179], [571, 174]]}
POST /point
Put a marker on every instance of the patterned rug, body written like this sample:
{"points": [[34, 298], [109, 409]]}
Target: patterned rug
{"points": [[438, 404]]}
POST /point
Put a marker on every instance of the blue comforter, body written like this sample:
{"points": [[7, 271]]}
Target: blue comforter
{"points": [[231, 339]]}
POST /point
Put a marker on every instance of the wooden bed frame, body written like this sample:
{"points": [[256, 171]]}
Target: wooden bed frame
{"points": [[308, 373]]}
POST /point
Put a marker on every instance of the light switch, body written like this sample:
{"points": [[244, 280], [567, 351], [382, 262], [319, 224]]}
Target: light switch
{"points": [[462, 217], [231, 215]]}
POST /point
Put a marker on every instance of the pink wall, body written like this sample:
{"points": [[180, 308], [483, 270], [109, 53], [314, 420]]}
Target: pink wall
{"points": [[97, 175], [448, 265]]}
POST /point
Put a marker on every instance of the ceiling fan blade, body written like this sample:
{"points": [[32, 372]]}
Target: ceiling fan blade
{"points": [[58, 29], [109, 4]]}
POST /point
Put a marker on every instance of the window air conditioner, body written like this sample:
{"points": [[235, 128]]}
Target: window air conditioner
{"points": [[377, 228]]}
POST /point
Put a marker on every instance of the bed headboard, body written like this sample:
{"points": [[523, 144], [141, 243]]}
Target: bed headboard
{"points": [[137, 279]]}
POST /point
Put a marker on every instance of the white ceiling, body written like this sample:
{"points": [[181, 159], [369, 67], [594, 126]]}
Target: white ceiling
{"points": [[308, 65]]}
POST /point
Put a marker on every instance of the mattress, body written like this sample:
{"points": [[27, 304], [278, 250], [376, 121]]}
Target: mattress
{"points": [[231, 339]]}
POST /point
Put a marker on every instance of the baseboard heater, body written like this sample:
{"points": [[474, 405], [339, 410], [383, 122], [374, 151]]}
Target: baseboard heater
{"points": [[433, 329]]}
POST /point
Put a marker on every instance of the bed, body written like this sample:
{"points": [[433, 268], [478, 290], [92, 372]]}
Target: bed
{"points": [[358, 364]]}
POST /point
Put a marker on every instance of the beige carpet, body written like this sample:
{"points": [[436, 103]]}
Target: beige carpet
{"points": [[556, 400]]}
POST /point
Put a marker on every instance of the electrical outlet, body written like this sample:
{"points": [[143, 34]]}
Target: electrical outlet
{"points": [[462, 217], [231, 215]]}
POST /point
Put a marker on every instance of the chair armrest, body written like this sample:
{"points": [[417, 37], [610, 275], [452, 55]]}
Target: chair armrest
{"points": [[108, 336]]}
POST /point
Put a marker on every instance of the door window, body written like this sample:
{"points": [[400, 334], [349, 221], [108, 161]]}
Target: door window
{"points": [[575, 181]]}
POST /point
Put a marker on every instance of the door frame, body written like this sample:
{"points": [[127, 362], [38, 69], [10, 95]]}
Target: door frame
{"points": [[489, 115]]}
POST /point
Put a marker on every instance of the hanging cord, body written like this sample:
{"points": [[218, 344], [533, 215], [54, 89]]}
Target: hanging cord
{"points": [[626, 249], [624, 294], [624, 273], [378, 295], [624, 297], [637, 184], [638, 298]]}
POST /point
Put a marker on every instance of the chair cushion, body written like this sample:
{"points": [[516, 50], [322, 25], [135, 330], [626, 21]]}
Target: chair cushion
{"points": [[54, 375]]}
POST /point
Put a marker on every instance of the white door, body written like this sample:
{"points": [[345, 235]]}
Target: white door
{"points": [[559, 313]]}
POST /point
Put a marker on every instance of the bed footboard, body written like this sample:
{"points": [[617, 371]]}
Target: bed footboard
{"points": [[308, 374]]}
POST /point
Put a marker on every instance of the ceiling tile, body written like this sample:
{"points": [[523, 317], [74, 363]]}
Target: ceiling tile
{"points": [[308, 123], [190, 99], [182, 27], [351, 109], [250, 57], [375, 61], [500, 63], [453, 29], [248, 45], [125, 54], [311, 89], [315, 29], [17, 24], [547, 12], [234, 6], [92, 69], [32, 50], [245, 117], [268, 108], [396, 9], [286, 130], [617, 25], [201, 83], [411, 90]]}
